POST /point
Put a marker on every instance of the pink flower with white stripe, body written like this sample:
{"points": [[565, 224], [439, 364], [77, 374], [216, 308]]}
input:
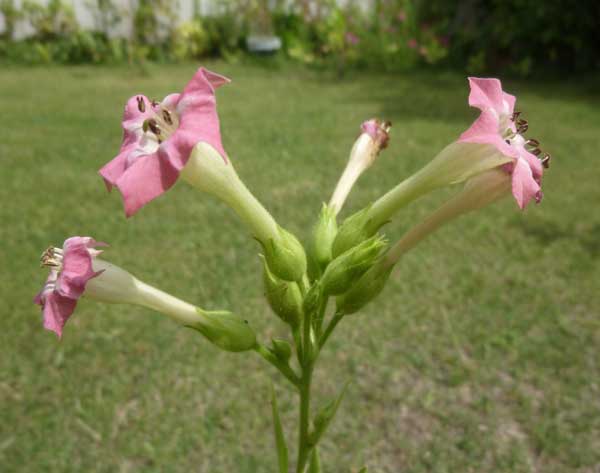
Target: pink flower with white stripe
{"points": [[500, 126], [70, 270], [158, 139]]}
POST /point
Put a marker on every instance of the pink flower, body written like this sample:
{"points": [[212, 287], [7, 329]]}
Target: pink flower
{"points": [[412, 43], [500, 126], [159, 137], [352, 39], [70, 270]]}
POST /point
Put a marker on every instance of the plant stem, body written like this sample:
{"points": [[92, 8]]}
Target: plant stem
{"points": [[303, 445], [283, 368], [329, 330]]}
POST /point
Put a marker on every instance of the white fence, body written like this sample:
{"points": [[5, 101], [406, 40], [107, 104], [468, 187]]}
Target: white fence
{"points": [[185, 9]]}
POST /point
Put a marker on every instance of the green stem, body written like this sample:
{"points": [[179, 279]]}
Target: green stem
{"points": [[303, 438], [329, 330], [283, 368]]}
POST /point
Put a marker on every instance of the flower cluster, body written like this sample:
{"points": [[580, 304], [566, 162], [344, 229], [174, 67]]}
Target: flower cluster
{"points": [[180, 138]]}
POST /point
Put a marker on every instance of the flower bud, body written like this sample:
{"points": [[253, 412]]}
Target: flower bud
{"points": [[226, 330], [281, 349], [323, 236], [313, 298], [284, 297], [367, 288], [350, 265], [352, 232], [285, 256]]}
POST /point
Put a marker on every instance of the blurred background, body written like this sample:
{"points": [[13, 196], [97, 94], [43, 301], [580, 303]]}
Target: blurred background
{"points": [[519, 37], [480, 356]]}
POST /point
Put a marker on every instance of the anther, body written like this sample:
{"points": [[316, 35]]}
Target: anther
{"points": [[155, 103], [536, 151], [523, 128], [532, 142], [141, 104], [167, 117], [507, 142], [52, 257], [546, 161], [154, 128], [515, 115]]}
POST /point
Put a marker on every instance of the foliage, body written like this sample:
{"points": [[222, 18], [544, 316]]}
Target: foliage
{"points": [[514, 36], [517, 35]]}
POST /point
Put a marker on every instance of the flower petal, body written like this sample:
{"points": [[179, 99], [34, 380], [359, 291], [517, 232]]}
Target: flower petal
{"points": [[486, 94], [146, 179], [56, 311], [484, 130], [77, 266], [524, 186]]}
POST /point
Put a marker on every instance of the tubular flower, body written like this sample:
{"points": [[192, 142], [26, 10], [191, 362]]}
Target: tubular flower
{"points": [[373, 139], [500, 126], [70, 270], [158, 139], [494, 141]]}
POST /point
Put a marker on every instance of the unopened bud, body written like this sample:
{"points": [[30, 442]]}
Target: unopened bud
{"points": [[281, 349], [350, 265], [285, 256], [226, 330], [312, 300], [284, 297], [353, 231], [323, 236], [367, 288]]}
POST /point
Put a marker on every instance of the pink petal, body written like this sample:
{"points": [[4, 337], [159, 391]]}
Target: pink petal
{"points": [[77, 266], [56, 311], [484, 130], [510, 100], [524, 186], [485, 94], [115, 168], [146, 179], [534, 163]]}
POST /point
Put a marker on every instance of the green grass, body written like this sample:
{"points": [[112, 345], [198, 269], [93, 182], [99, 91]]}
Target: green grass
{"points": [[480, 356]]}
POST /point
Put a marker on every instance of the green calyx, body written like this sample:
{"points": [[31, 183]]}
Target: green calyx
{"points": [[226, 330], [324, 235], [354, 230], [284, 297], [285, 256], [350, 265], [367, 288]]}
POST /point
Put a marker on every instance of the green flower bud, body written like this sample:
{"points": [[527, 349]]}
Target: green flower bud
{"points": [[365, 289], [281, 349], [324, 235], [226, 330], [284, 297], [313, 299], [285, 256], [353, 231], [343, 271]]}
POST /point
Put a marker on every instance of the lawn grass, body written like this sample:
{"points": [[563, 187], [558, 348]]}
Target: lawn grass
{"points": [[480, 356]]}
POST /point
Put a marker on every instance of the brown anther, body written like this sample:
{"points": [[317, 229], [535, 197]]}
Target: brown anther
{"points": [[48, 258], [167, 117], [155, 103], [154, 128], [515, 115], [521, 122], [141, 104], [536, 151], [546, 161], [532, 142], [507, 142], [523, 128]]}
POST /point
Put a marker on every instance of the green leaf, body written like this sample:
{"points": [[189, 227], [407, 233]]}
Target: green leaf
{"points": [[315, 462], [325, 416], [282, 450], [363, 470]]}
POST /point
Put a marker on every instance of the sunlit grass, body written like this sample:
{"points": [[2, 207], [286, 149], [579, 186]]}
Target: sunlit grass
{"points": [[480, 356]]}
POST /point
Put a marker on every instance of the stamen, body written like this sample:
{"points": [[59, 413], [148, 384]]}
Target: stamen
{"points": [[167, 117], [52, 257], [515, 115], [532, 142], [141, 104], [155, 103], [546, 161], [536, 151], [154, 128]]}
